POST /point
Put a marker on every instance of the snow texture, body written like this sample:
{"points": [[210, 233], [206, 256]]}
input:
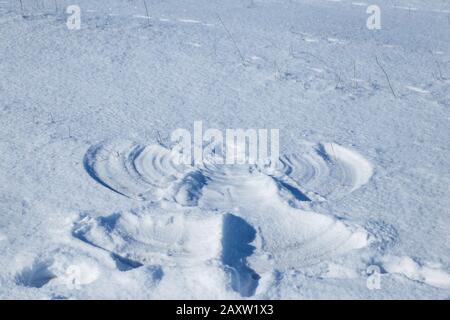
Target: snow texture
{"points": [[93, 203]]}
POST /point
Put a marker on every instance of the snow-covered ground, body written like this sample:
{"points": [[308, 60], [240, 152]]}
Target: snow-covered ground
{"points": [[93, 205]]}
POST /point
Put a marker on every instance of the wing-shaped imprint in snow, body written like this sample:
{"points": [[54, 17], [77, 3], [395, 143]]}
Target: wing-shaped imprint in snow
{"points": [[151, 235], [137, 172], [327, 170], [320, 171]]}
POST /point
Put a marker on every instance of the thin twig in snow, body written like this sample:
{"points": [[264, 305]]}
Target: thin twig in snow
{"points": [[439, 69], [338, 82], [386, 75], [160, 140], [21, 7], [52, 120], [146, 11], [232, 39], [277, 70]]}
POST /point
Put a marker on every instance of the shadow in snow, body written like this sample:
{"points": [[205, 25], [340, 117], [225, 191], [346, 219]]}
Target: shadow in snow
{"points": [[237, 236]]}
